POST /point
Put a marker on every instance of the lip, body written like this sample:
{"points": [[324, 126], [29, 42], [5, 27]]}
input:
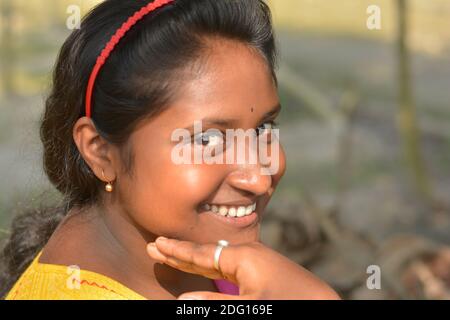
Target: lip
{"points": [[232, 204], [235, 205], [239, 222]]}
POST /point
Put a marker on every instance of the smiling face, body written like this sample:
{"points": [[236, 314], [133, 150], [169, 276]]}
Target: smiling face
{"points": [[169, 199]]}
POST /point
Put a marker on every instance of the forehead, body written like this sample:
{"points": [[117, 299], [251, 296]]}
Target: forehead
{"points": [[230, 80], [228, 65], [234, 76]]}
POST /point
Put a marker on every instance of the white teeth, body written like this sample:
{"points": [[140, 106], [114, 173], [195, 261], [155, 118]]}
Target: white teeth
{"points": [[231, 211], [223, 210], [241, 211]]}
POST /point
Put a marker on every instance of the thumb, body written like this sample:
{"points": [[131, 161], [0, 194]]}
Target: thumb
{"points": [[206, 295]]}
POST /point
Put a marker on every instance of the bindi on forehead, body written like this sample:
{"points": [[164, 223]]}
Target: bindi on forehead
{"points": [[251, 109]]}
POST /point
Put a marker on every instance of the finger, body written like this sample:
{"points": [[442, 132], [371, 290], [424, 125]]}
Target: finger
{"points": [[207, 295], [155, 253], [198, 255], [181, 265], [201, 257]]}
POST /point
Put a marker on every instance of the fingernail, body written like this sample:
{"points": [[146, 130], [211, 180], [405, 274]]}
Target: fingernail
{"points": [[161, 239], [151, 246], [154, 253]]}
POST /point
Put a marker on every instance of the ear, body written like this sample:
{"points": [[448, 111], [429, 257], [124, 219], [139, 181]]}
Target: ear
{"points": [[95, 150]]}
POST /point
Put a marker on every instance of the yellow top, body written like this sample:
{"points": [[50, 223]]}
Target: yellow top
{"points": [[42, 281]]}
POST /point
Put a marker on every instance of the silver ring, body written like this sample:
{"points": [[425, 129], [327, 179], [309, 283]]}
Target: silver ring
{"points": [[220, 245]]}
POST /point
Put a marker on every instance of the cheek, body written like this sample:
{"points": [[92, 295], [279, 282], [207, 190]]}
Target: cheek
{"points": [[164, 197], [276, 177], [280, 169], [282, 166], [191, 184]]}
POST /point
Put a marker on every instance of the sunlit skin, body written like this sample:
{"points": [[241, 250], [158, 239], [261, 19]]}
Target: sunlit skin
{"points": [[161, 198]]}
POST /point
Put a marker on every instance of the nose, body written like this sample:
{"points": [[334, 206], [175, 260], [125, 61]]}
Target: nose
{"points": [[249, 178]]}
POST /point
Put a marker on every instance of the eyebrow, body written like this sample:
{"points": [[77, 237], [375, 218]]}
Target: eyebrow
{"points": [[231, 121], [272, 113]]}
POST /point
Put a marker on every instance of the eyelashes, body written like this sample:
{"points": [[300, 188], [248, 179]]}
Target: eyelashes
{"points": [[205, 138], [214, 137], [268, 125]]}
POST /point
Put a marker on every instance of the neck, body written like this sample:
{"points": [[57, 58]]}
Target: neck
{"points": [[126, 242]]}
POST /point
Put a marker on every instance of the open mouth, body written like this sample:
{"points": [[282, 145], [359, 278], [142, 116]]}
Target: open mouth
{"points": [[235, 215], [230, 211]]}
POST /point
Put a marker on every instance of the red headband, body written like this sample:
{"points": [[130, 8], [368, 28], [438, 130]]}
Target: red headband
{"points": [[114, 41]]}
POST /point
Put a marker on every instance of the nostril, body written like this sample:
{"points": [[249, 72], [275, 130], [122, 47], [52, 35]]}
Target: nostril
{"points": [[251, 182], [260, 182]]}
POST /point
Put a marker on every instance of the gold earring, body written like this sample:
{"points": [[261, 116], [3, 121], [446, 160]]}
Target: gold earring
{"points": [[108, 186]]}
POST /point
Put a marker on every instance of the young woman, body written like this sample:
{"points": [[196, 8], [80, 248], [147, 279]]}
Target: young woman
{"points": [[135, 72]]}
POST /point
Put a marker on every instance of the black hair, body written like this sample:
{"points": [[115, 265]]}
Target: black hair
{"points": [[139, 79]]}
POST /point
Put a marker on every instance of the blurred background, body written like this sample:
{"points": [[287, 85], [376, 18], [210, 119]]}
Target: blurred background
{"points": [[365, 125]]}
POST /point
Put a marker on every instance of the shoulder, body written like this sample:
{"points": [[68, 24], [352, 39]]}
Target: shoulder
{"points": [[58, 282]]}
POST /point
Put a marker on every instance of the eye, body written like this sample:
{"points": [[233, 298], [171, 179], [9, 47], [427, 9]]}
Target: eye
{"points": [[266, 127], [209, 138]]}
